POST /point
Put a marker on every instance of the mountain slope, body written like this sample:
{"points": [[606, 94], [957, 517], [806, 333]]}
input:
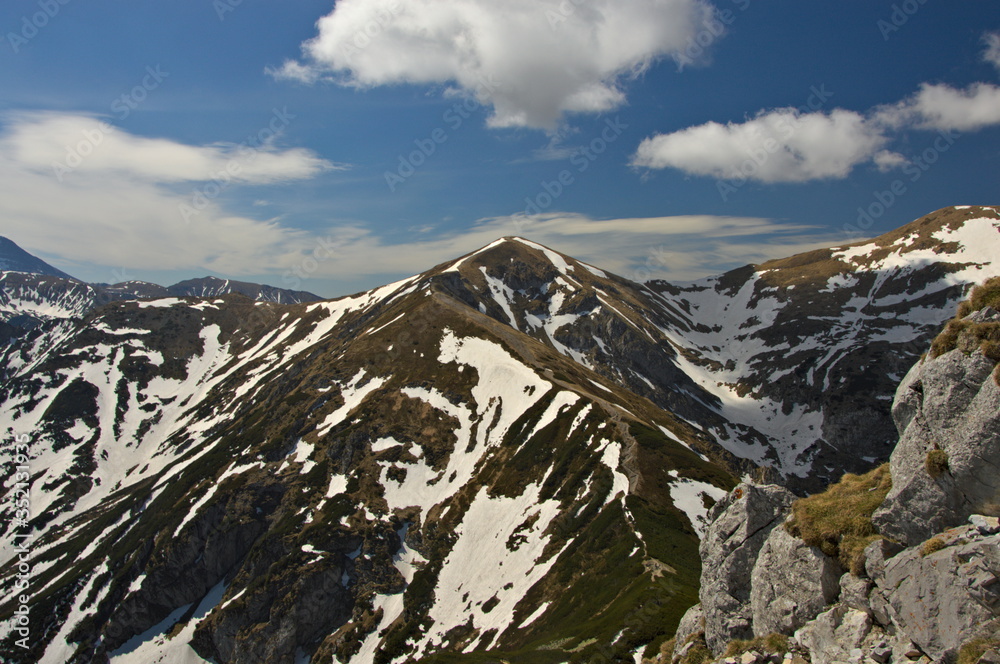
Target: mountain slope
{"points": [[509, 456], [410, 475], [15, 259], [808, 350], [790, 365]]}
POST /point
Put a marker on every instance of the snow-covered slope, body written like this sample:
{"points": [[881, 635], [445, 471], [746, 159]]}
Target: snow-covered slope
{"points": [[808, 350], [790, 365], [29, 301], [378, 478]]}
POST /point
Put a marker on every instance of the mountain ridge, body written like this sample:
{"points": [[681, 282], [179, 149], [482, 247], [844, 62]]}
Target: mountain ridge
{"points": [[510, 455]]}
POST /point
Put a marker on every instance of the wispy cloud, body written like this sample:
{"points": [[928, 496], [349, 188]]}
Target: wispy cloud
{"points": [[533, 61], [117, 202], [992, 52], [119, 208], [677, 248]]}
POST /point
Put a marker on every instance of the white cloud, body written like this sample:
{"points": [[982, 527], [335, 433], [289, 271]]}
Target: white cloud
{"points": [[886, 161], [121, 204], [784, 145], [531, 60], [106, 213], [787, 145], [992, 52], [944, 107], [69, 145]]}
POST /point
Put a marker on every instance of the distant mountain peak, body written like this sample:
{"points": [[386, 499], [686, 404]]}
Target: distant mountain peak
{"points": [[15, 259]]}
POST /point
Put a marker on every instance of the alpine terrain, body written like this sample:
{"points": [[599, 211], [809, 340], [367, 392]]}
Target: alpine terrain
{"points": [[512, 456], [32, 292]]}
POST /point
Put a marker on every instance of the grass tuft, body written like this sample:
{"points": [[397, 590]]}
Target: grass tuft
{"points": [[968, 336], [973, 650], [698, 653], [932, 545], [839, 520], [936, 463], [772, 644]]}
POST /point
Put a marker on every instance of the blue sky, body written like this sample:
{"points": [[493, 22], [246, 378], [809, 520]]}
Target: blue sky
{"points": [[335, 147]]}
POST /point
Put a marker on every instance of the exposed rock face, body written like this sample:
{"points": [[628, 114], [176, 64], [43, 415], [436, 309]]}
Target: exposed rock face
{"points": [[792, 583], [741, 524], [949, 406], [942, 600]]}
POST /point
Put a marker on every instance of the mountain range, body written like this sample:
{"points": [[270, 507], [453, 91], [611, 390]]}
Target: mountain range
{"points": [[33, 292], [510, 456]]}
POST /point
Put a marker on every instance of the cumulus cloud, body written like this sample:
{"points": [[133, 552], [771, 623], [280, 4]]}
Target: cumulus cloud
{"points": [[784, 145], [794, 145], [789, 145], [948, 108], [119, 201], [531, 60]]}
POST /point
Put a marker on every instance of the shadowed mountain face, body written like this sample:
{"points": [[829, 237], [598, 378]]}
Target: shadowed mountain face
{"points": [[508, 456], [15, 259]]}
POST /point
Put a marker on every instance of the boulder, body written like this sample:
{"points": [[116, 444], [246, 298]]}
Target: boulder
{"points": [[835, 634], [740, 523], [947, 407], [941, 599], [792, 584], [691, 623]]}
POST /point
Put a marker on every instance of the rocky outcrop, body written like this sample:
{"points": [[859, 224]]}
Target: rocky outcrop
{"points": [[921, 603], [946, 466], [792, 583], [741, 524], [691, 623], [929, 586], [944, 598]]}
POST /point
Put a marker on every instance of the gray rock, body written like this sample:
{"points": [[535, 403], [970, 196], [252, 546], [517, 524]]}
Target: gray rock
{"points": [[909, 395], [854, 592], [792, 584], [833, 635], [986, 525], [951, 403], [881, 653], [941, 600], [876, 554], [991, 656], [740, 524], [879, 606], [984, 315], [692, 622]]}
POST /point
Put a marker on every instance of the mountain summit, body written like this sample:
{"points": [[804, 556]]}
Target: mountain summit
{"points": [[15, 259]]}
